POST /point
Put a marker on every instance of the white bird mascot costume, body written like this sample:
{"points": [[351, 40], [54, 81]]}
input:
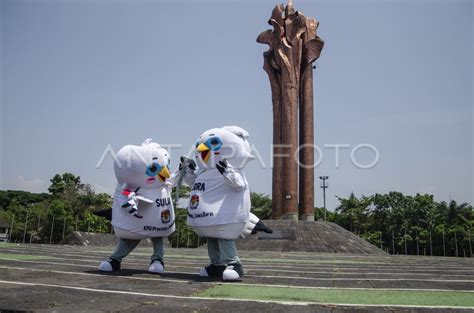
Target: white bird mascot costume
{"points": [[219, 206], [142, 206]]}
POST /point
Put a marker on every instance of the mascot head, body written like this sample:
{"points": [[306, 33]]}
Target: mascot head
{"points": [[228, 142], [144, 166]]}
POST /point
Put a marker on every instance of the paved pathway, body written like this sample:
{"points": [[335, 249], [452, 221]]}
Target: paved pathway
{"points": [[65, 279]]}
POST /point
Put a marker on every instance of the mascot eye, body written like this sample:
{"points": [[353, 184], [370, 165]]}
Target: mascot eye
{"points": [[215, 143], [153, 169]]}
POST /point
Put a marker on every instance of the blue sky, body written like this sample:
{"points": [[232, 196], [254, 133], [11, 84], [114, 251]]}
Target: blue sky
{"points": [[79, 75]]}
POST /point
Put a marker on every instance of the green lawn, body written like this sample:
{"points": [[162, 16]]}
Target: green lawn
{"points": [[11, 256], [8, 245], [347, 296]]}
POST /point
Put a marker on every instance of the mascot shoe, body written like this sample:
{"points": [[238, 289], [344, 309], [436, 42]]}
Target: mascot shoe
{"points": [[156, 267], [233, 272], [109, 265], [212, 270]]}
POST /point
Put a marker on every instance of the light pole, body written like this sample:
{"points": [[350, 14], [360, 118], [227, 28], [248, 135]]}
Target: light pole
{"points": [[324, 186]]}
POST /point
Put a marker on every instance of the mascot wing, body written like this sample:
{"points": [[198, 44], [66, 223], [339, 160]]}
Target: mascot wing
{"points": [[237, 130]]}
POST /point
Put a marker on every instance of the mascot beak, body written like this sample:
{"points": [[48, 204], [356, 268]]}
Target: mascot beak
{"points": [[205, 152], [164, 174]]}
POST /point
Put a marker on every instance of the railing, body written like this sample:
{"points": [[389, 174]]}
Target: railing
{"points": [[4, 237]]}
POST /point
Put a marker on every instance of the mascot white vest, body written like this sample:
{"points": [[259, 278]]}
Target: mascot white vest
{"points": [[219, 204], [142, 206]]}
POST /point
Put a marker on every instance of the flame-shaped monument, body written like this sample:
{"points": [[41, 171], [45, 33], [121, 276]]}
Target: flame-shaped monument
{"points": [[294, 46]]}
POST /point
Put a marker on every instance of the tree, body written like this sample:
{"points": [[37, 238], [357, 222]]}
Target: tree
{"points": [[354, 211], [261, 205], [23, 198], [67, 208], [184, 236], [64, 183], [409, 224]]}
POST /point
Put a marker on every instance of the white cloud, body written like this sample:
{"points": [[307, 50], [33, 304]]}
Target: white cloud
{"points": [[38, 185], [32, 185], [431, 190], [103, 189]]}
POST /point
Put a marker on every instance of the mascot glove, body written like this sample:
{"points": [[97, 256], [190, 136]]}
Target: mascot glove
{"points": [[190, 167], [231, 176], [223, 165], [248, 228], [188, 164]]}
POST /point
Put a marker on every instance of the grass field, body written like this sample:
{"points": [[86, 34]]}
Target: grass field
{"points": [[8, 245], [342, 296], [9, 256]]}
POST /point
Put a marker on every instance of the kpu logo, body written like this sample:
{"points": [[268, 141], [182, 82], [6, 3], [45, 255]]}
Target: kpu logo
{"points": [[194, 202], [165, 216]]}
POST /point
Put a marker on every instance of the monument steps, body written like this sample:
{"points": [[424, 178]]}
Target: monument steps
{"points": [[307, 236], [296, 236]]}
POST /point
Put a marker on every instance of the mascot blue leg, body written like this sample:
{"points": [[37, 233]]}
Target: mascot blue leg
{"points": [[228, 251], [234, 270], [225, 263], [157, 266], [124, 247], [216, 268], [213, 251]]}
